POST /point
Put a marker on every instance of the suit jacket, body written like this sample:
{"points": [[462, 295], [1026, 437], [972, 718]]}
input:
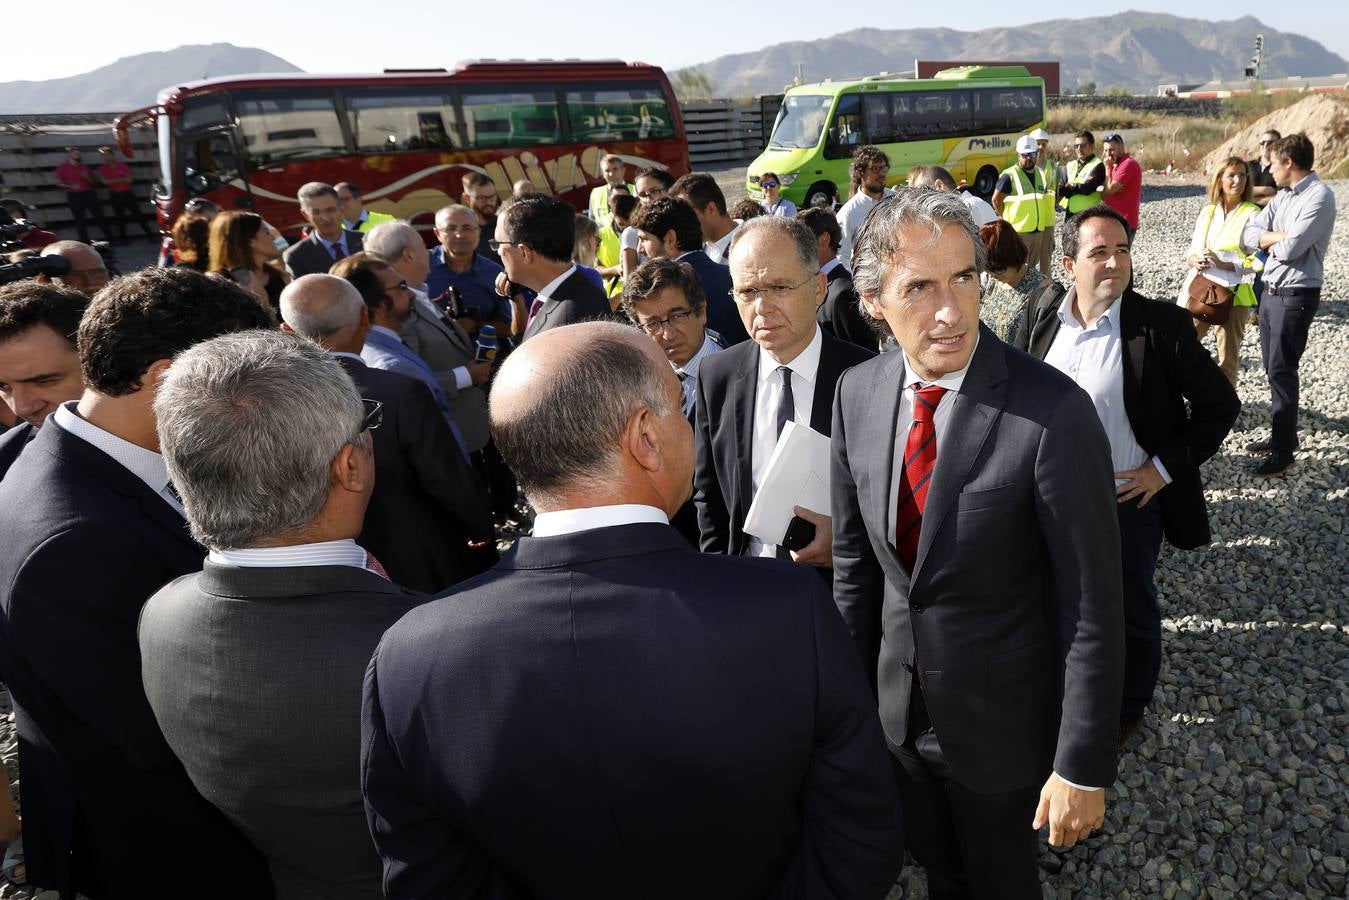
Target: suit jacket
{"points": [[255, 676], [722, 315], [444, 346], [1014, 605], [309, 256], [840, 314], [427, 501], [1164, 365], [12, 442], [575, 300], [723, 484], [389, 353], [623, 707], [86, 544]]}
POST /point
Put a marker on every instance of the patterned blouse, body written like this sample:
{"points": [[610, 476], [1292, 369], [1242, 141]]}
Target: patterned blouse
{"points": [[1003, 308]]}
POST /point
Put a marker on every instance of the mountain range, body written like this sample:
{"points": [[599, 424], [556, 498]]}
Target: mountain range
{"points": [[135, 81], [1132, 50]]}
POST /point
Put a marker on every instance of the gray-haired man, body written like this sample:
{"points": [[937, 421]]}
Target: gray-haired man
{"points": [[253, 666], [982, 590], [328, 241]]}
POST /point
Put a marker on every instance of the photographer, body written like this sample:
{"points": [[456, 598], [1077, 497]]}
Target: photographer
{"points": [[17, 233]]}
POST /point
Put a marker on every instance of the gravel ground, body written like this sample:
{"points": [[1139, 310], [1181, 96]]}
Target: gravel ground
{"points": [[1236, 786]]}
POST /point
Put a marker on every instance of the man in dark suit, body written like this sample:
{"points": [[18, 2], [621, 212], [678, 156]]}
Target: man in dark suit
{"points": [[840, 314], [627, 716], [1140, 361], [669, 228], [744, 401], [253, 666], [39, 365], [975, 555], [328, 241], [93, 528], [534, 237], [428, 503]]}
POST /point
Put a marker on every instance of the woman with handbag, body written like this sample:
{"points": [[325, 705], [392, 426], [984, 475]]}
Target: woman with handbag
{"points": [[1217, 290]]}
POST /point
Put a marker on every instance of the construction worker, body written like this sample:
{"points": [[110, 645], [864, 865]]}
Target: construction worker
{"points": [[1024, 201], [612, 167], [355, 217], [1085, 180], [1049, 160]]}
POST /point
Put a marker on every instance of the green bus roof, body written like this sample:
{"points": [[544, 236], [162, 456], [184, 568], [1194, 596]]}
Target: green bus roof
{"points": [[961, 73]]}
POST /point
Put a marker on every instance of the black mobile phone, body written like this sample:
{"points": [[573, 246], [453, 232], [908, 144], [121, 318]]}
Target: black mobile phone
{"points": [[799, 534]]}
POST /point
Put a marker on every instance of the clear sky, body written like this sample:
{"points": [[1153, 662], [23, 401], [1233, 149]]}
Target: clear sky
{"points": [[76, 36]]}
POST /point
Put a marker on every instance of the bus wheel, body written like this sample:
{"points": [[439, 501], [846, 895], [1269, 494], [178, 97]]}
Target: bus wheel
{"points": [[984, 182], [822, 194]]}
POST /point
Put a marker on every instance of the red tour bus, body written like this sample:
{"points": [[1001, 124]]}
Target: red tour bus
{"points": [[407, 138]]}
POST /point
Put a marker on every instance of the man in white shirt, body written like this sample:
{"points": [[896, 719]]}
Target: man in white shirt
{"points": [[1165, 406], [869, 170], [746, 395], [701, 191], [939, 178], [93, 527], [605, 648], [253, 665]]}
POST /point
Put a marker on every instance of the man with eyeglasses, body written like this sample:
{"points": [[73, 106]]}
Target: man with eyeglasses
{"points": [[1263, 187], [93, 526], [1123, 181], [669, 228], [459, 266], [1026, 202], [535, 236], [1085, 180], [480, 195], [746, 395], [252, 665], [87, 274], [869, 170]]}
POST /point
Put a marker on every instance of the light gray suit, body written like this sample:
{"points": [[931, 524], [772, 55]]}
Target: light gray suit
{"points": [[254, 676], [444, 345]]}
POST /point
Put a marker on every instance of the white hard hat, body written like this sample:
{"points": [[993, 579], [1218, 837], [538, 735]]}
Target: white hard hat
{"points": [[1040, 134], [1026, 144]]}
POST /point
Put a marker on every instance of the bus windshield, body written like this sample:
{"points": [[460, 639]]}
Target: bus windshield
{"points": [[801, 120]]}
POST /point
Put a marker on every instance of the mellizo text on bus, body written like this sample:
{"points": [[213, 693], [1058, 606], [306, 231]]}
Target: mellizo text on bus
{"points": [[407, 138], [965, 119]]}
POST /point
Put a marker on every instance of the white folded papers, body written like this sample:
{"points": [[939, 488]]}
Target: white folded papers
{"points": [[797, 475]]}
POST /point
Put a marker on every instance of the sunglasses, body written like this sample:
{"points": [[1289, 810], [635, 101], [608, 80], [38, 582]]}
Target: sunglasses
{"points": [[768, 184], [1265, 143], [373, 416]]}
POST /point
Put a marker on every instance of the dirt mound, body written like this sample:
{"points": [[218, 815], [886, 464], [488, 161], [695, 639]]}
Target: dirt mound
{"points": [[1325, 119]]}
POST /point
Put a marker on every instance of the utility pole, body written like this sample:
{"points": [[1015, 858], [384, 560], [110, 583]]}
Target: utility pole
{"points": [[1253, 70]]}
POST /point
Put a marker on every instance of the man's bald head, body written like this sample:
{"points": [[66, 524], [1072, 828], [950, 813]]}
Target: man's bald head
{"points": [[564, 402], [87, 272], [326, 309]]}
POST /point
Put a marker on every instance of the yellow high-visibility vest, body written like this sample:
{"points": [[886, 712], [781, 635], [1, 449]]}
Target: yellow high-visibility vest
{"points": [[1030, 206], [1078, 174]]}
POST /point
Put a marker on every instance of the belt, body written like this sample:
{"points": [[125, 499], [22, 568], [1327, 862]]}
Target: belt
{"points": [[1293, 292]]}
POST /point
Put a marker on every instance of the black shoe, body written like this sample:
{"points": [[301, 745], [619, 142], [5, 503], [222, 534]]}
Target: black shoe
{"points": [[1275, 463], [1264, 446]]}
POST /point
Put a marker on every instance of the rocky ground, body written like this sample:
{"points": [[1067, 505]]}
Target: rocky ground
{"points": [[1236, 786]]}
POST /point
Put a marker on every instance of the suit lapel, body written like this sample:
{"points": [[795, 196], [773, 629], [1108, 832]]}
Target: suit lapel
{"points": [[826, 378], [974, 410], [881, 430], [742, 413], [1135, 340]]}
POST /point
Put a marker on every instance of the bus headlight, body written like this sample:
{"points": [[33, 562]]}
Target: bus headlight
{"points": [[787, 179]]}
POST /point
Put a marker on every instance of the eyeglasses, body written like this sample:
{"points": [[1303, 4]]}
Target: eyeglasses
{"points": [[651, 194], [1266, 143], [778, 292], [373, 416], [879, 168], [400, 286], [482, 198], [1030, 155], [674, 320], [1081, 146], [497, 245], [766, 185]]}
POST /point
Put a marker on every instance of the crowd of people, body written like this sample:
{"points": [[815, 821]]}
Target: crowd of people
{"points": [[255, 622]]}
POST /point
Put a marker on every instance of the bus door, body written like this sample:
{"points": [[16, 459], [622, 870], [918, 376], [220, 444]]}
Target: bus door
{"points": [[209, 154]]}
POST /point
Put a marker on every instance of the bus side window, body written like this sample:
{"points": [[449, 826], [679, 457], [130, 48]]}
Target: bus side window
{"points": [[845, 132], [209, 162]]}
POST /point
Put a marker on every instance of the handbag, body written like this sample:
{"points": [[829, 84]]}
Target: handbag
{"points": [[1209, 301]]}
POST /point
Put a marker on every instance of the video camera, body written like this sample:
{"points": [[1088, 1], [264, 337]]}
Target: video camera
{"points": [[33, 266]]}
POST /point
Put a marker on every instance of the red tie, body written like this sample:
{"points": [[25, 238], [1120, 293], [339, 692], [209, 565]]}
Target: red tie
{"points": [[920, 456], [373, 565]]}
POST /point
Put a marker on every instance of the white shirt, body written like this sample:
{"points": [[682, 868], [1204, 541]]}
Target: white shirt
{"points": [[570, 521], [850, 217], [147, 465], [805, 368], [981, 210], [1093, 358], [629, 239], [325, 553], [718, 250], [952, 382]]}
